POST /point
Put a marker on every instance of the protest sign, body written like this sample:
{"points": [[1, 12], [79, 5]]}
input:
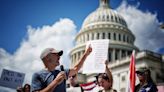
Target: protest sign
{"points": [[11, 79]]}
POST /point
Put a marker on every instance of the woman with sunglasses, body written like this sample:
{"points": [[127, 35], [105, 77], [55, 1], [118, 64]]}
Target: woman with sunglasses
{"points": [[146, 83]]}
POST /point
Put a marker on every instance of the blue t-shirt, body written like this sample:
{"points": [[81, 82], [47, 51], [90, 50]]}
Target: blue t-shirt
{"points": [[41, 79]]}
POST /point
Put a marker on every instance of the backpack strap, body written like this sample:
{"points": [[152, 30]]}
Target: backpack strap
{"points": [[48, 75], [45, 80], [52, 73]]}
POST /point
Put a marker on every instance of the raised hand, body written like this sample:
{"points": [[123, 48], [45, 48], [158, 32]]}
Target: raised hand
{"points": [[89, 50], [60, 77], [106, 62]]}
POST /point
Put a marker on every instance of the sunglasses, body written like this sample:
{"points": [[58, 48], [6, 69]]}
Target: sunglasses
{"points": [[140, 73], [103, 75]]}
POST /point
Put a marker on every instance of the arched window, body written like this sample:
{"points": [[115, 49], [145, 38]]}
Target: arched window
{"points": [[109, 56], [103, 35], [119, 20], [107, 17], [116, 19], [127, 39], [103, 18], [108, 35], [78, 55], [111, 18], [98, 35], [123, 53], [92, 36], [87, 37], [116, 54], [119, 37], [123, 38]]}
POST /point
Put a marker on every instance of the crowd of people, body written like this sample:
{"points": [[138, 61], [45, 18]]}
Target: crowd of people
{"points": [[51, 79]]}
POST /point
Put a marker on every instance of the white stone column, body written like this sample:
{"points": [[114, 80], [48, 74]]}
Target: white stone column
{"points": [[77, 57], [122, 37], [120, 54], [82, 38], [106, 35], [73, 61], [86, 37], [95, 36], [101, 36], [116, 36], [113, 54], [116, 81], [111, 35], [90, 36]]}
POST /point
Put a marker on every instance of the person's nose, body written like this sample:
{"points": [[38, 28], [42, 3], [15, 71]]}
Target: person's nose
{"points": [[58, 57]]}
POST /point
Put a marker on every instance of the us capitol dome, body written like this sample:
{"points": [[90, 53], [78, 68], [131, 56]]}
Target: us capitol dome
{"points": [[106, 23]]}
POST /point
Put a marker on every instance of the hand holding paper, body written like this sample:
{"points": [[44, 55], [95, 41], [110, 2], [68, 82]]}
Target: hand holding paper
{"points": [[94, 63], [89, 50]]}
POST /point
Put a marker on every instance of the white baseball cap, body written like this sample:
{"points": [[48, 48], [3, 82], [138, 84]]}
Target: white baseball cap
{"points": [[47, 51]]}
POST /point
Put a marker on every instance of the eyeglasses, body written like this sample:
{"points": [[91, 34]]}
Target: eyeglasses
{"points": [[140, 73]]}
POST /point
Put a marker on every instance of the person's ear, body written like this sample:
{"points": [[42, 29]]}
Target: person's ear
{"points": [[48, 57]]}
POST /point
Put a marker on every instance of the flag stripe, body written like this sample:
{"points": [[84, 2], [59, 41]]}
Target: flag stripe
{"points": [[132, 75], [88, 86]]}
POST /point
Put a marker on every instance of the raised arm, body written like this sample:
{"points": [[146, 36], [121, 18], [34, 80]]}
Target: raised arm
{"points": [[108, 71], [77, 67]]}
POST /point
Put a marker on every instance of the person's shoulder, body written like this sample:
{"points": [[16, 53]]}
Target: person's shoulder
{"points": [[41, 72], [153, 85]]}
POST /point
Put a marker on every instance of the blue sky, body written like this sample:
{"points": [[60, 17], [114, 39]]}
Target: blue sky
{"points": [[29, 26], [16, 15]]}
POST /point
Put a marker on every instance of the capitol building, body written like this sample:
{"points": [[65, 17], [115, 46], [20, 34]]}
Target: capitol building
{"points": [[106, 23]]}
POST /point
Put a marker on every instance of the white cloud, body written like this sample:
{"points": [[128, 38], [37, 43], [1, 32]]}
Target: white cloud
{"points": [[144, 25], [27, 57]]}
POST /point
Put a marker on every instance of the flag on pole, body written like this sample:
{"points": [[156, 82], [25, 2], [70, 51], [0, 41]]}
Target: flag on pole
{"points": [[88, 86], [132, 75]]}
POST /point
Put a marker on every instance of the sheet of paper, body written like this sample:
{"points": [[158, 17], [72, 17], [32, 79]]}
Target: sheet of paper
{"points": [[95, 62]]}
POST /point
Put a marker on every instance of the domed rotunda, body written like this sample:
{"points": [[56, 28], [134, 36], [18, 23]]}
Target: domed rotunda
{"points": [[105, 23]]}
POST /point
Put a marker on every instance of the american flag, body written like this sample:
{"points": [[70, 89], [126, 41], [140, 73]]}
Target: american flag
{"points": [[88, 86], [132, 75]]}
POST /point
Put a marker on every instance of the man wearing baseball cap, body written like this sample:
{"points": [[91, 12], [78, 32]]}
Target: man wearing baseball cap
{"points": [[51, 79], [146, 83]]}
